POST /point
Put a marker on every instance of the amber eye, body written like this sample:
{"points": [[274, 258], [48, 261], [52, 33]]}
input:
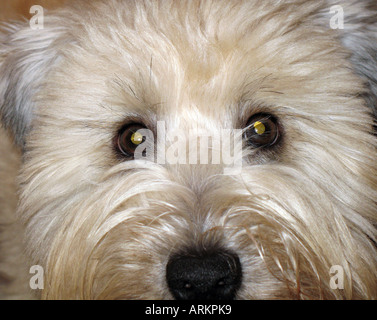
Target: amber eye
{"points": [[262, 131], [129, 138]]}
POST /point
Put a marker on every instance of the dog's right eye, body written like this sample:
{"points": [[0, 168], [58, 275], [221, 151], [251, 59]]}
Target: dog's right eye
{"points": [[262, 131], [129, 138]]}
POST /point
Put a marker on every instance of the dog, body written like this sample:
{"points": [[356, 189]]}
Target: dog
{"points": [[103, 106]]}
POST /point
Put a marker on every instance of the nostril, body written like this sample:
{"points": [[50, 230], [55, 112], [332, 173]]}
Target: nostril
{"points": [[210, 275]]}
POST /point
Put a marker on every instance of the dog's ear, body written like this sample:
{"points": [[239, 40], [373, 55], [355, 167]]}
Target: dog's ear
{"points": [[26, 56], [363, 44], [359, 35]]}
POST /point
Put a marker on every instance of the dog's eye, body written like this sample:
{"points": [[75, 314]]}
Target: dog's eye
{"points": [[129, 138], [262, 131]]}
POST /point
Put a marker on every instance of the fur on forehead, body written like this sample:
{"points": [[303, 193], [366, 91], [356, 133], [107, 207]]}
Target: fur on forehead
{"points": [[193, 29]]}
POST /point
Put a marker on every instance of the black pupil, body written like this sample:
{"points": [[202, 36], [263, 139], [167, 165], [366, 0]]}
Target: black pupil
{"points": [[130, 138], [262, 131]]}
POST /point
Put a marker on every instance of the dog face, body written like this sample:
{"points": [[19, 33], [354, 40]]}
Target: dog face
{"points": [[106, 225]]}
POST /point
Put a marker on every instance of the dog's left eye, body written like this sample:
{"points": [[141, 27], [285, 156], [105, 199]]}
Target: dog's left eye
{"points": [[129, 138], [262, 131]]}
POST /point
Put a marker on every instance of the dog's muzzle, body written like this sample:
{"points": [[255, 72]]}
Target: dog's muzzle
{"points": [[204, 276]]}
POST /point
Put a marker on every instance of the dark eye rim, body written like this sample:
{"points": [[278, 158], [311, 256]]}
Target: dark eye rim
{"points": [[121, 150], [258, 117]]}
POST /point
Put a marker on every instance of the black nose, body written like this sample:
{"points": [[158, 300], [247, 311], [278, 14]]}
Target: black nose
{"points": [[204, 276]]}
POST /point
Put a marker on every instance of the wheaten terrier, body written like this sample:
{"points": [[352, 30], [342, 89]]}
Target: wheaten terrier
{"points": [[202, 149]]}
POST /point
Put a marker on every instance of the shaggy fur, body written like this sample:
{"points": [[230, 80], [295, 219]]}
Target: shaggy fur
{"points": [[105, 228]]}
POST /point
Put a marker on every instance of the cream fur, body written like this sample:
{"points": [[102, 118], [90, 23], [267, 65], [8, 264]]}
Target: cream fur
{"points": [[104, 230]]}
